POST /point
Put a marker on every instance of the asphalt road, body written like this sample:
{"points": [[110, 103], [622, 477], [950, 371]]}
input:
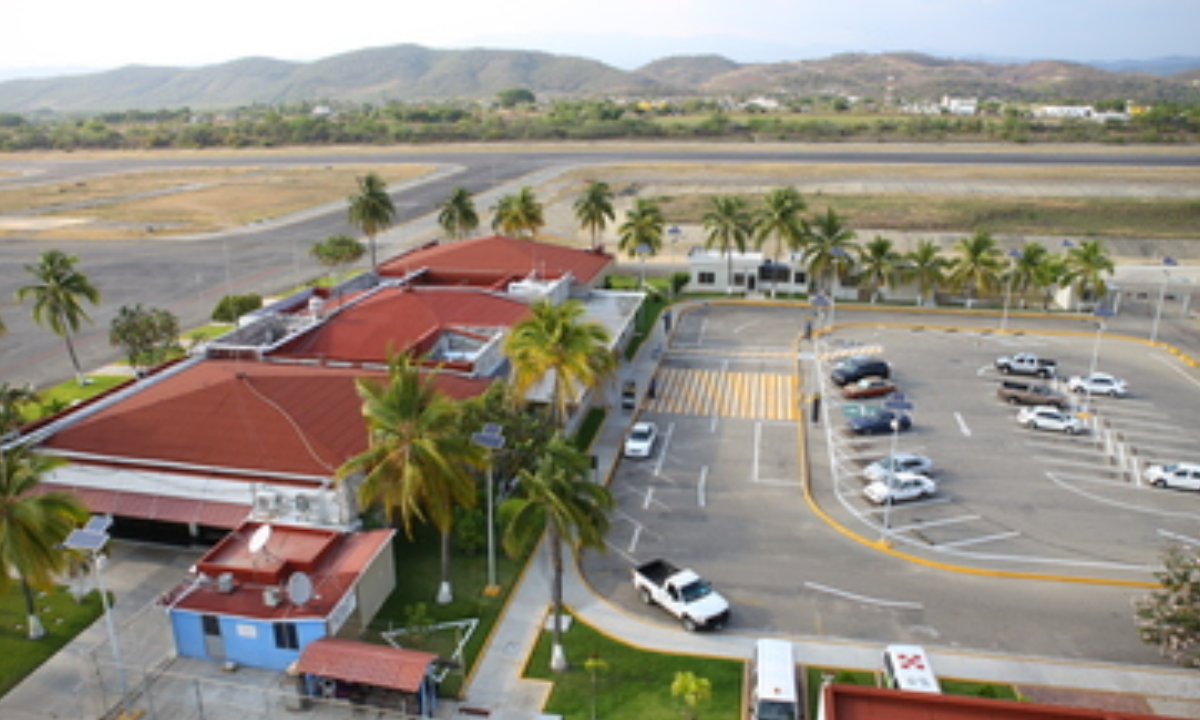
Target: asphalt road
{"points": [[188, 276]]}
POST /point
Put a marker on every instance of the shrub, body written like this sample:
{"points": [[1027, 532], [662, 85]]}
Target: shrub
{"points": [[232, 307]]}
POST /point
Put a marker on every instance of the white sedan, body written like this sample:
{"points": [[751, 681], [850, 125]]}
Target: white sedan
{"points": [[900, 487], [1098, 384], [640, 443], [900, 462], [1185, 476], [1045, 417]]}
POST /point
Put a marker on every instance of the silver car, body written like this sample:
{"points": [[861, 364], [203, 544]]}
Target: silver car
{"points": [[1185, 476]]}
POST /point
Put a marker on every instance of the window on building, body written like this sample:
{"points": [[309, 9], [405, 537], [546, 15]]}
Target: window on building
{"points": [[739, 279], [771, 272], [800, 278], [211, 624], [706, 278], [286, 637]]}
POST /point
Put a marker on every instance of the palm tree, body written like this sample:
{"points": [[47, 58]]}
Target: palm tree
{"points": [[977, 267], [11, 401], [33, 527], [1086, 265], [556, 499], [1048, 276], [880, 263], [642, 231], [925, 266], [779, 218], [58, 297], [419, 460], [554, 341], [457, 215], [1024, 271], [372, 210], [727, 226], [828, 248], [594, 209], [519, 215]]}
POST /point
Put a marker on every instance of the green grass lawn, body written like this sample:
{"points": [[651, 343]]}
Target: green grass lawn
{"points": [[63, 619], [636, 683]]}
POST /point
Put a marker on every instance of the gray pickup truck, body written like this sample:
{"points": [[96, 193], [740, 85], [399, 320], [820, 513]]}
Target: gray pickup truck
{"points": [[1015, 392]]}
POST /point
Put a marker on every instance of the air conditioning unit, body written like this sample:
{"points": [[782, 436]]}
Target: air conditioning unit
{"points": [[225, 582], [271, 597], [304, 505], [266, 504]]}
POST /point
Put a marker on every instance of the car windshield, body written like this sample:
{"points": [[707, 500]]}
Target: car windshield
{"points": [[775, 710], [641, 434], [694, 591]]}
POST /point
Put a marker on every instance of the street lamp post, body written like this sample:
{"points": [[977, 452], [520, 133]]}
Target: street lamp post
{"points": [[1167, 262], [1013, 255], [1101, 313], [92, 538], [491, 438]]}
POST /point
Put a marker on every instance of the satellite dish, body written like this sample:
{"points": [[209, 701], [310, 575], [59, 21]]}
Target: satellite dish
{"points": [[299, 588], [259, 539]]}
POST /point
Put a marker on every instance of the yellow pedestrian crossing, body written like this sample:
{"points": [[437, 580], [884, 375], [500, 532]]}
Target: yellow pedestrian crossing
{"points": [[725, 394]]}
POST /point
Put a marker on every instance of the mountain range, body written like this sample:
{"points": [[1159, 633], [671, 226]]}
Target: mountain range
{"points": [[411, 73]]}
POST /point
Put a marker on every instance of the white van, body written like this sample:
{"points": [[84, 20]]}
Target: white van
{"points": [[906, 667], [776, 694]]}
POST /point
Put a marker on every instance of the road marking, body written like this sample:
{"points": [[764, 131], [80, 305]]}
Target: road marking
{"points": [[637, 533], [737, 330], [662, 454], [978, 540], [757, 443], [863, 598], [1054, 478], [1180, 538], [1172, 365], [701, 486], [628, 558], [962, 424], [649, 498], [934, 523], [915, 504]]}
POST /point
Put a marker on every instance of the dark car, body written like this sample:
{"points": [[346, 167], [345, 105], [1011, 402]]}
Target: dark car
{"points": [[856, 368], [880, 422]]}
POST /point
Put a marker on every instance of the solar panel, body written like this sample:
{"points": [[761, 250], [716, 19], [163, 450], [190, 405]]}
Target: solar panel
{"points": [[85, 540], [99, 523]]}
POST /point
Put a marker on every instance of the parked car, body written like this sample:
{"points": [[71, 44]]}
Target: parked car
{"points": [[1027, 364], [878, 422], [899, 488], [640, 443], [683, 593], [898, 463], [868, 387], [1185, 476], [1044, 417], [853, 369], [1015, 392], [1098, 384]]}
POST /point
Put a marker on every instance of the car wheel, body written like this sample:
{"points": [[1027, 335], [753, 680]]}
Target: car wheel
{"points": [[1014, 401], [1072, 430], [647, 597], [1006, 370], [1160, 483], [689, 624]]}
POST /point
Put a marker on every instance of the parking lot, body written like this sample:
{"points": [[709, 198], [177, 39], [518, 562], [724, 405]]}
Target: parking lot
{"points": [[722, 491]]}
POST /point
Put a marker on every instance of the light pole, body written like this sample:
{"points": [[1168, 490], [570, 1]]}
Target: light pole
{"points": [[92, 538], [1167, 262], [1013, 255], [1101, 313], [897, 403], [820, 302], [491, 438], [642, 251]]}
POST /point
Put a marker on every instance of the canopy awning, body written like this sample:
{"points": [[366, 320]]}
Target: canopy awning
{"points": [[366, 664]]}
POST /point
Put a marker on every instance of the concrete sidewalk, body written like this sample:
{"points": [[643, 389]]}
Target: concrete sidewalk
{"points": [[498, 689]]}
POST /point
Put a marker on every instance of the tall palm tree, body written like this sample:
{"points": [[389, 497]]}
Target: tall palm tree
{"points": [[879, 263], [1087, 264], [1024, 270], [457, 215], [977, 267], [1048, 276], [58, 297], [372, 210], [727, 227], [642, 231], [779, 218], [829, 248], [419, 460], [520, 215], [555, 498], [33, 527], [554, 342], [925, 265], [12, 398], [594, 209]]}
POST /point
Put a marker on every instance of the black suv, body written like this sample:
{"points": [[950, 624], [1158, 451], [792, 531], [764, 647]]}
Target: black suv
{"points": [[853, 369]]}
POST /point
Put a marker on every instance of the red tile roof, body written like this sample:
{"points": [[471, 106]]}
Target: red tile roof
{"points": [[848, 702], [333, 562], [239, 418], [503, 256], [100, 501], [357, 662], [407, 320]]}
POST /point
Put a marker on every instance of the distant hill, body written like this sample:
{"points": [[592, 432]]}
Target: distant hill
{"points": [[415, 73], [1165, 66]]}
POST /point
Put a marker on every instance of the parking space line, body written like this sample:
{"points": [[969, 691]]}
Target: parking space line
{"points": [[628, 558], [863, 598], [637, 533], [700, 487], [909, 505], [649, 497], [662, 454], [979, 540], [1180, 538], [1113, 503], [962, 424], [935, 523]]}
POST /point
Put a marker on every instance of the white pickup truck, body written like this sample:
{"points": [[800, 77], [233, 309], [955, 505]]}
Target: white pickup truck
{"points": [[682, 593], [1027, 364]]}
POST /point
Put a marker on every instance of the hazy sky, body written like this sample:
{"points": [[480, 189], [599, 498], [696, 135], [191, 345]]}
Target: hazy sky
{"points": [[98, 35]]}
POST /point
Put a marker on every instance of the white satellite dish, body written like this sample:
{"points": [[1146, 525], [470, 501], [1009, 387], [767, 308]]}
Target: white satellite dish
{"points": [[259, 539], [299, 588]]}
